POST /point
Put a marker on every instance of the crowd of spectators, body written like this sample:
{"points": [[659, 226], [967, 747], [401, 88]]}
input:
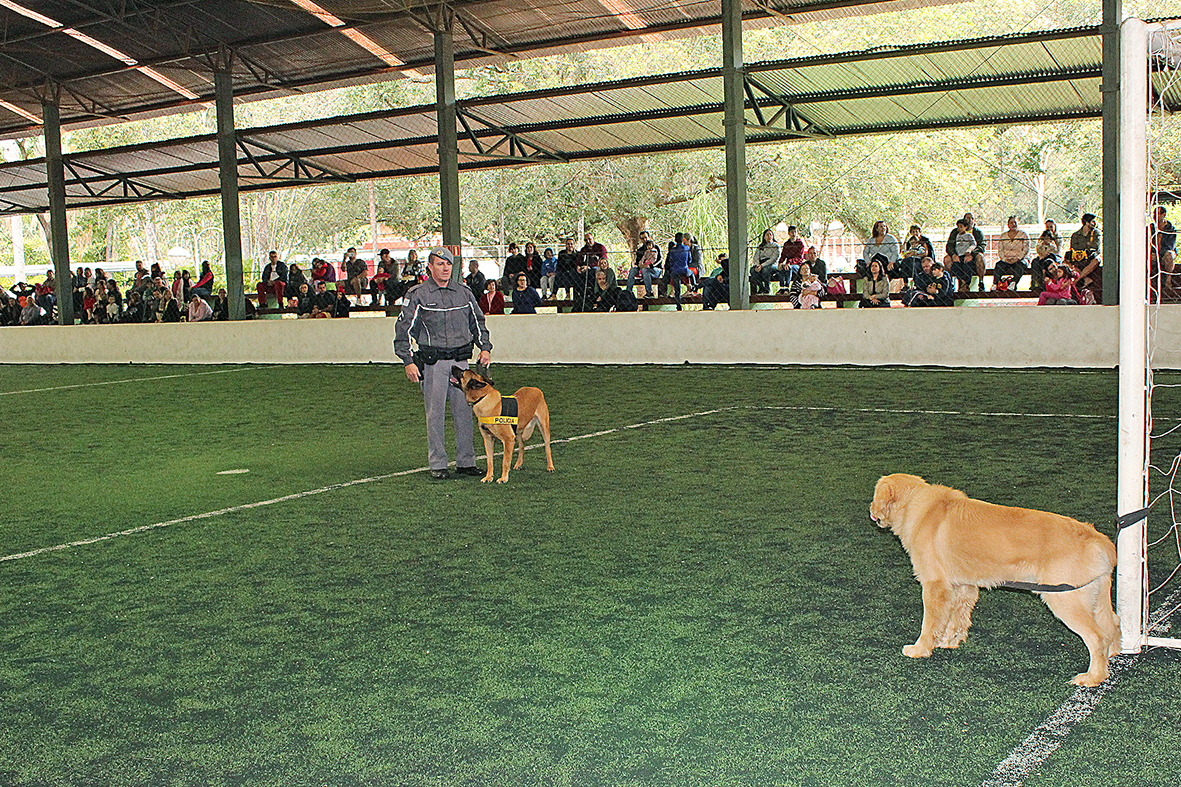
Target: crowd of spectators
{"points": [[1060, 271]]}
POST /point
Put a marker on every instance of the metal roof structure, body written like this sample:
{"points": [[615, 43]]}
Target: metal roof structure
{"points": [[105, 61], [1022, 78]]}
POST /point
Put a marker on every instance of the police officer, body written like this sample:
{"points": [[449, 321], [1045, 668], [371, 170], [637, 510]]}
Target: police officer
{"points": [[446, 323]]}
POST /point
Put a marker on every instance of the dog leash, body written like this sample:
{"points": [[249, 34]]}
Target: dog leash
{"points": [[1036, 588], [1121, 522]]}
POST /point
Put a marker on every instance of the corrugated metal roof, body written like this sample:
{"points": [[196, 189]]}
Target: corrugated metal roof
{"points": [[278, 46], [1020, 78]]}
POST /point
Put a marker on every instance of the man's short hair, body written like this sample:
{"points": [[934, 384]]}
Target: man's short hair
{"points": [[1088, 217]]}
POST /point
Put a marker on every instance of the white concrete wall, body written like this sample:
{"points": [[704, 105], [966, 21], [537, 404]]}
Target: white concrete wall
{"points": [[1072, 336]]}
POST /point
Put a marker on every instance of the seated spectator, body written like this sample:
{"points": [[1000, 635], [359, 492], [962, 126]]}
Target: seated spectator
{"points": [[295, 277], [199, 310], [9, 308], [303, 302], [641, 250], [113, 291], [167, 309], [342, 307], [78, 289], [33, 314], [1084, 258], [514, 263], [807, 289], [881, 245], [961, 260], [525, 298], [46, 292], [566, 269], [646, 268], [818, 266], [932, 286], [1048, 250], [766, 265], [221, 306], [532, 265], [1012, 252], [324, 299], [476, 281], [181, 284], [1058, 288], [135, 312], [204, 283], [875, 287], [321, 271], [695, 266], [606, 267], [413, 270], [606, 295], [1162, 253], [384, 281], [492, 302], [960, 257], [678, 265], [88, 303], [140, 278], [790, 257], [549, 274], [274, 281], [716, 289], [356, 274], [915, 247]]}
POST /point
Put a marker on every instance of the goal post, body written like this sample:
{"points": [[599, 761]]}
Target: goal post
{"points": [[1131, 494], [1137, 59]]}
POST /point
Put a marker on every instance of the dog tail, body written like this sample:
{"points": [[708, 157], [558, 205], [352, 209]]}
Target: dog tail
{"points": [[527, 432]]}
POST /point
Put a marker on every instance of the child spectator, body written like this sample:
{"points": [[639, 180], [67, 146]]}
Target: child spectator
{"points": [[549, 274], [1059, 288]]}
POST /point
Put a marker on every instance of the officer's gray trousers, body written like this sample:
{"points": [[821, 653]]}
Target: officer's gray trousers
{"points": [[437, 391]]}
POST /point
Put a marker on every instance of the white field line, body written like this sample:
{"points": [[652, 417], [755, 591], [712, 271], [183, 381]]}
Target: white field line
{"points": [[117, 382], [297, 495], [1027, 759], [346, 484]]}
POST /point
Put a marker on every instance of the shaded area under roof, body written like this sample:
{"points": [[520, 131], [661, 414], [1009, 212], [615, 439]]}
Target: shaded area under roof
{"points": [[276, 47], [1025, 78]]}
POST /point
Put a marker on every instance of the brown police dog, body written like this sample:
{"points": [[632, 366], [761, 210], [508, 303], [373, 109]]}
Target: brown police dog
{"points": [[488, 406], [958, 545]]}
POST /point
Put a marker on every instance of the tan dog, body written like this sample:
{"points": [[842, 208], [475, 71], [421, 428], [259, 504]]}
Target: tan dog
{"points": [[488, 406], [958, 545]]}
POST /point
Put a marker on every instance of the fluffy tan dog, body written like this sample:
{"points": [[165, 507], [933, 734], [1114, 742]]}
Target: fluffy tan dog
{"points": [[958, 545]]}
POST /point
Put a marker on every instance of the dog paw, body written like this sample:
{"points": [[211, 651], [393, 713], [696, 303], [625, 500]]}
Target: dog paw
{"points": [[915, 652], [485, 479], [502, 480], [550, 468]]}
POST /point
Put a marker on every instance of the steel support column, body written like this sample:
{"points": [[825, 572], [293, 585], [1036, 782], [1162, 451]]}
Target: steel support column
{"points": [[445, 111], [1113, 15], [59, 239], [231, 220], [735, 122]]}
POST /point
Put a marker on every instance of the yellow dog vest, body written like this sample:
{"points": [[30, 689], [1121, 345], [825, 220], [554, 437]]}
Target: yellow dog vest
{"points": [[508, 412]]}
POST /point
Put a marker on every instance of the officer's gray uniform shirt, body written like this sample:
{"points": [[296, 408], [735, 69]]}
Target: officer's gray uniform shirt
{"points": [[444, 318]]}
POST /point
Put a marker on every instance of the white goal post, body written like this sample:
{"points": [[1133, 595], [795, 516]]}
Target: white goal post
{"points": [[1134, 373]]}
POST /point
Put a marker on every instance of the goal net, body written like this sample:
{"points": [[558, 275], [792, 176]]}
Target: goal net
{"points": [[1148, 575]]}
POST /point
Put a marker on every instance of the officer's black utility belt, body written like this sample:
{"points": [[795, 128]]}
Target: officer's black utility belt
{"points": [[428, 356]]}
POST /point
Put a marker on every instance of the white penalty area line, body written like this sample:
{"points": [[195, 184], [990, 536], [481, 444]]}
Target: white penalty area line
{"points": [[117, 382], [1026, 760]]}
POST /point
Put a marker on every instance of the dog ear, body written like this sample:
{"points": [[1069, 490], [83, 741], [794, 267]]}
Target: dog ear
{"points": [[475, 384]]}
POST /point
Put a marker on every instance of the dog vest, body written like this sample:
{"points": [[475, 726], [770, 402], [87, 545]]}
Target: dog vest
{"points": [[508, 412]]}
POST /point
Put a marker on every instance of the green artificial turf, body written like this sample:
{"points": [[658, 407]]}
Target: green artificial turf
{"points": [[692, 602]]}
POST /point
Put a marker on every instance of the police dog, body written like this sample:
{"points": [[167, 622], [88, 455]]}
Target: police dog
{"points": [[958, 545], [490, 409]]}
